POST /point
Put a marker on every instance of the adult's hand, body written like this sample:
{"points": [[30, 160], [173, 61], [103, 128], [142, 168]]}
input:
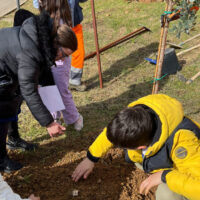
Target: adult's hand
{"points": [[151, 181], [32, 197], [83, 170], [54, 129]]}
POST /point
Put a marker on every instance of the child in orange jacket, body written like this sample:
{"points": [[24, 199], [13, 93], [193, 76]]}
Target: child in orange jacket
{"points": [[77, 62]]}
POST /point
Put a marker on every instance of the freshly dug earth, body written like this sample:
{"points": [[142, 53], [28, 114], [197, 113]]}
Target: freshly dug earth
{"points": [[47, 173]]}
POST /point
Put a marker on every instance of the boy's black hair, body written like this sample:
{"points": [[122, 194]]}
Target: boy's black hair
{"points": [[20, 16], [132, 127]]}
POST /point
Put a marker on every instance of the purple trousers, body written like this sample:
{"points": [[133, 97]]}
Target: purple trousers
{"points": [[61, 74]]}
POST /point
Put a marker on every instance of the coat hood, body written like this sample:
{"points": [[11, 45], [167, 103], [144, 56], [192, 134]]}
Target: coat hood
{"points": [[38, 31], [170, 113]]}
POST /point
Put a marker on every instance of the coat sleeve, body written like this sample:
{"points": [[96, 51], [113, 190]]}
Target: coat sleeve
{"points": [[99, 147], [184, 178], [28, 75], [183, 184], [6, 192]]}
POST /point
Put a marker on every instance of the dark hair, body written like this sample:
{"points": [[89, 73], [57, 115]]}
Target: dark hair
{"points": [[20, 16], [60, 10], [45, 38], [132, 127], [57, 9], [66, 37]]}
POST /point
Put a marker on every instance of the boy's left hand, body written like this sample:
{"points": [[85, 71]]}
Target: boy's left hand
{"points": [[151, 181]]}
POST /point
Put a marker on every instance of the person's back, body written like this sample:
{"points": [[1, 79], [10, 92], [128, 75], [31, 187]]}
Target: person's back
{"points": [[10, 47], [22, 44]]}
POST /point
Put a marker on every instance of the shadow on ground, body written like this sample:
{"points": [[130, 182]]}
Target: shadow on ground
{"points": [[129, 62]]}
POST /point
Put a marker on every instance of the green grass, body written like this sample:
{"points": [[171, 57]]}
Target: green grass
{"points": [[126, 75]]}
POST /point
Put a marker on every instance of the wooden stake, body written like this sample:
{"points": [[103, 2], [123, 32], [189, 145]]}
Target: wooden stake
{"points": [[96, 43], [161, 49], [190, 49], [194, 77], [182, 43], [179, 46]]}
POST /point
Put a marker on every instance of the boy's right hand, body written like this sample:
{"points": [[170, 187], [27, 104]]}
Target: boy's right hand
{"points": [[54, 129], [32, 197], [83, 170]]}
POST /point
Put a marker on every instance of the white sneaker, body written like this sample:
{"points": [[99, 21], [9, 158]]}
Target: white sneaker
{"points": [[78, 125]]}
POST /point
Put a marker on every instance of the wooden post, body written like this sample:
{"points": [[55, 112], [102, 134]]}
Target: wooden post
{"points": [[18, 4], [161, 49], [96, 43]]}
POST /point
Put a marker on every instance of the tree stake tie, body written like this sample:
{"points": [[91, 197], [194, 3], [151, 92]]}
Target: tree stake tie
{"points": [[158, 79], [167, 12], [164, 16]]}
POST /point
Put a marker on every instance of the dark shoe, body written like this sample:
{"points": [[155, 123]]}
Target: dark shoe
{"points": [[79, 88], [20, 144], [8, 165]]}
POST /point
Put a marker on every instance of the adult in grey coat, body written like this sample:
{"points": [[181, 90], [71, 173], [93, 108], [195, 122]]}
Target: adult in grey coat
{"points": [[26, 54]]}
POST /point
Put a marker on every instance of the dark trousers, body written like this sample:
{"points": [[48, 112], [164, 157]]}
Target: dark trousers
{"points": [[13, 130], [3, 135], [10, 129]]}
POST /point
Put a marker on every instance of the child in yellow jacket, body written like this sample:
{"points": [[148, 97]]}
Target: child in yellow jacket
{"points": [[158, 135]]}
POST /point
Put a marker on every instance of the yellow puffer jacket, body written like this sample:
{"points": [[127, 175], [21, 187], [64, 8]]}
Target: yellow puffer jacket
{"points": [[184, 176]]}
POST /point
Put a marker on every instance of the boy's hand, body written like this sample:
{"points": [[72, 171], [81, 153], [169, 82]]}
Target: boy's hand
{"points": [[32, 197], [54, 129], [151, 181], [83, 170]]}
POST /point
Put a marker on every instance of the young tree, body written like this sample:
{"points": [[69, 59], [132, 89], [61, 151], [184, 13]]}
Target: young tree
{"points": [[186, 9]]}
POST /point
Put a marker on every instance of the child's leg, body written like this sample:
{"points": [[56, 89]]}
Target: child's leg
{"points": [[77, 58], [61, 78], [164, 193]]}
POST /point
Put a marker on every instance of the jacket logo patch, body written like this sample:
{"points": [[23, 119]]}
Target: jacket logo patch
{"points": [[181, 152]]}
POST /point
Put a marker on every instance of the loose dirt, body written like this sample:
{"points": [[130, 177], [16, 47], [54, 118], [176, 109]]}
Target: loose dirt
{"points": [[48, 174]]}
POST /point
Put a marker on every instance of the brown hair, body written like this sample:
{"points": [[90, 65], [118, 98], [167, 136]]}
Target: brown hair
{"points": [[58, 10], [65, 37], [132, 127]]}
